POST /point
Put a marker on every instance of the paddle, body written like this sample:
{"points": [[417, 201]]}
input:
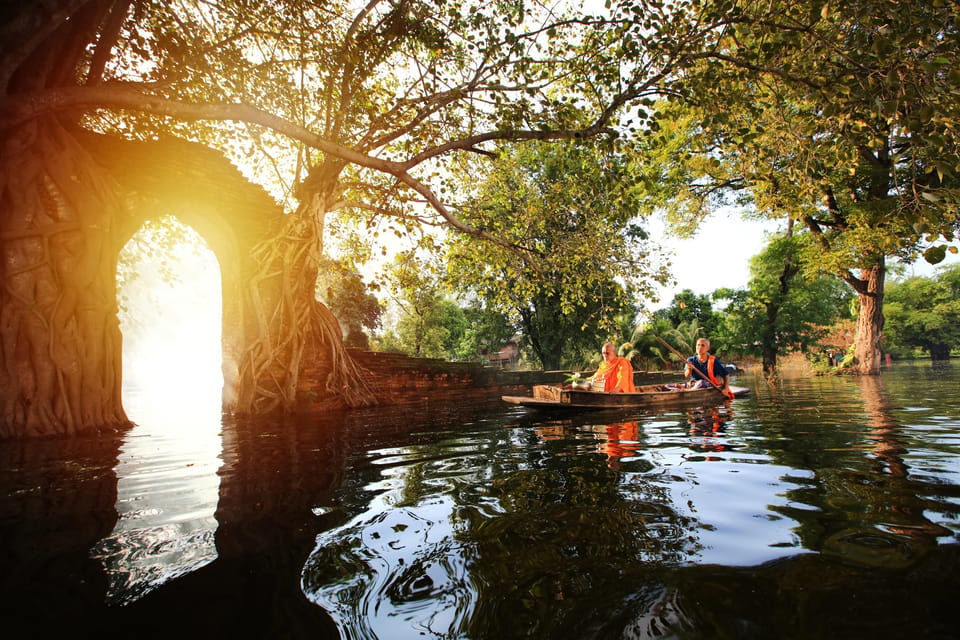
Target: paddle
{"points": [[693, 368]]}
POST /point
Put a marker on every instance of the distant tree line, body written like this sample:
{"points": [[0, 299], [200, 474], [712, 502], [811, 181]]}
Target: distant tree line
{"points": [[816, 319]]}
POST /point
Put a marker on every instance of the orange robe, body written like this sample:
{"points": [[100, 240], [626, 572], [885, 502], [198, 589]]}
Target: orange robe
{"points": [[617, 375]]}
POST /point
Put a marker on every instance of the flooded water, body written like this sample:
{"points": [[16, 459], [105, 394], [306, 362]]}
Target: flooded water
{"points": [[822, 508]]}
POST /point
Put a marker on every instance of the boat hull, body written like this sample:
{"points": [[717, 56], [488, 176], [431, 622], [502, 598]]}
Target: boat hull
{"points": [[550, 396]]}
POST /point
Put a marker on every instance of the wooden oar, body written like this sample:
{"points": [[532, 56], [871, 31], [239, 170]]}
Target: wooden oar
{"points": [[692, 368]]}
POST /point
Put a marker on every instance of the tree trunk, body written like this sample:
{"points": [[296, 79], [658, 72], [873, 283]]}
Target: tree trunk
{"points": [[526, 321], [939, 352], [287, 325], [870, 321], [770, 346], [60, 357], [769, 358]]}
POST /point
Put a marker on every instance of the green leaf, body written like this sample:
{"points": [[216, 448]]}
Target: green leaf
{"points": [[935, 254]]}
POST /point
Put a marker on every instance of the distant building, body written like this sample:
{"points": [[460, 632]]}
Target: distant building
{"points": [[506, 358]]}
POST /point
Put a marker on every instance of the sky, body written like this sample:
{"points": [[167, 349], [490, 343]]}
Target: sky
{"points": [[724, 235]]}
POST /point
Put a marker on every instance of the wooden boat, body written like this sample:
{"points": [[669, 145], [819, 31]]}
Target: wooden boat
{"points": [[651, 395]]}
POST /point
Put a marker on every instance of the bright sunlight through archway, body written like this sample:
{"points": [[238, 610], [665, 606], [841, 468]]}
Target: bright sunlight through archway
{"points": [[170, 314], [167, 484]]}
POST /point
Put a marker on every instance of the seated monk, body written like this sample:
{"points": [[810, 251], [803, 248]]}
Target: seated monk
{"points": [[615, 372]]}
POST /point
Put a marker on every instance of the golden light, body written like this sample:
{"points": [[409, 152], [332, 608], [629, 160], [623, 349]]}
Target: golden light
{"points": [[170, 318]]}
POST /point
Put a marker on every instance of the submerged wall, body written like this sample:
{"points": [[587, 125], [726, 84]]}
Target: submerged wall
{"points": [[401, 379]]}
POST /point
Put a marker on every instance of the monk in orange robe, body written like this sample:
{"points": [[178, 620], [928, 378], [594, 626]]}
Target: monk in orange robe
{"points": [[615, 372]]}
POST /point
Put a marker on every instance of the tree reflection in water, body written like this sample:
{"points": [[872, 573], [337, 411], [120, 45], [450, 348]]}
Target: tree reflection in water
{"points": [[530, 537], [892, 531]]}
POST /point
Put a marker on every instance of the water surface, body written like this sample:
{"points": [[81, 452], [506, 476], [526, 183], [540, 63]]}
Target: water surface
{"points": [[821, 508]]}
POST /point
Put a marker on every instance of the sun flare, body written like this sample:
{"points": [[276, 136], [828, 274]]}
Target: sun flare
{"points": [[170, 317]]}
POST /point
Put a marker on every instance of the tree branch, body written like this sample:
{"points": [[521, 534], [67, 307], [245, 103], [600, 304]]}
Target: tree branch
{"points": [[24, 107], [15, 110], [108, 38]]}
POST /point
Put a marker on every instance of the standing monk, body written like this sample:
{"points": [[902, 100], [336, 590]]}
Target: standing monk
{"points": [[708, 369], [614, 372]]}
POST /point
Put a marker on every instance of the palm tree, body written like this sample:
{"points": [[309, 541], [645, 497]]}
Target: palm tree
{"points": [[683, 338], [643, 342], [685, 335]]}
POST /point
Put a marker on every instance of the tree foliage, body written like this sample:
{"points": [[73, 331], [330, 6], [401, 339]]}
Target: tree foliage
{"points": [[687, 307], [648, 351], [572, 206], [352, 115], [782, 310], [924, 313], [337, 107], [842, 117], [427, 322], [487, 331], [337, 100], [345, 293]]}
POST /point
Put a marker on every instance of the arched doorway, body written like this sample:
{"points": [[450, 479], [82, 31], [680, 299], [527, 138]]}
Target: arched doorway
{"points": [[170, 309]]}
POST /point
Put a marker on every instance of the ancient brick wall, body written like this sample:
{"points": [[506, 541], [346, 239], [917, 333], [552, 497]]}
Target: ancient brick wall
{"points": [[401, 379]]}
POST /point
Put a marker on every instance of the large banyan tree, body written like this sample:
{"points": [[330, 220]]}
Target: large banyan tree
{"points": [[331, 106]]}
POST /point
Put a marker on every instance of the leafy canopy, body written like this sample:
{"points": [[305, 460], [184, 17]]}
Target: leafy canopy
{"points": [[784, 308], [573, 206], [924, 313], [337, 106], [843, 117]]}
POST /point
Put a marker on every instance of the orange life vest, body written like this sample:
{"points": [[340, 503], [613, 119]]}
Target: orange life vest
{"points": [[711, 372]]}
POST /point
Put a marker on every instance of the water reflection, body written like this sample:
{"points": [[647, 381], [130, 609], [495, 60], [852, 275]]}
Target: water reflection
{"points": [[167, 491], [57, 500], [550, 519], [394, 572], [819, 508], [572, 525], [707, 430], [616, 441], [893, 531]]}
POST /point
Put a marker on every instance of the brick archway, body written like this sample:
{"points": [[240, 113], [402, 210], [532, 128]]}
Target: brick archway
{"points": [[208, 193]]}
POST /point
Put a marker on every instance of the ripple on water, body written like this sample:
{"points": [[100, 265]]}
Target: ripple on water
{"points": [[393, 573], [740, 511]]}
